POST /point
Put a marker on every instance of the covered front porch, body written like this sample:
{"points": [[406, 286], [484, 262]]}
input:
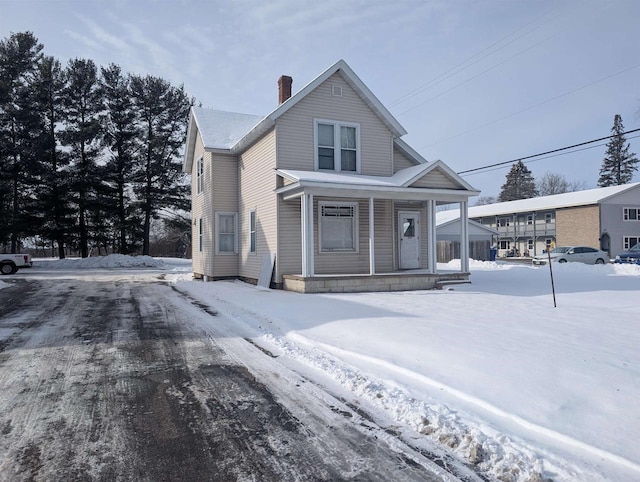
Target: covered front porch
{"points": [[384, 221]]}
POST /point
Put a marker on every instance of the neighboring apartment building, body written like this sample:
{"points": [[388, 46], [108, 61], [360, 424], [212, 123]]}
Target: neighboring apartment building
{"points": [[323, 190], [607, 218]]}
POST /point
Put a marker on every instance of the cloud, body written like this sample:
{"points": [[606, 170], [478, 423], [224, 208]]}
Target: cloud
{"points": [[103, 37]]}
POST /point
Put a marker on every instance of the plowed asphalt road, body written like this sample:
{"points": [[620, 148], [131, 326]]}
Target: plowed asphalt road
{"points": [[108, 378]]}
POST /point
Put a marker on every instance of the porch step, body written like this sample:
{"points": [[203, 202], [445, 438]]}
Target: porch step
{"points": [[443, 283]]}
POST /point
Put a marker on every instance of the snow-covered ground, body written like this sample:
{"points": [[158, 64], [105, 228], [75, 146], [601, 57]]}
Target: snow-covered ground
{"points": [[516, 387]]}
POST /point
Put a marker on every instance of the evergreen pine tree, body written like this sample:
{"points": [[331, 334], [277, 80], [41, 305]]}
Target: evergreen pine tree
{"points": [[160, 183], [520, 184], [619, 164], [53, 202], [19, 129], [83, 109], [122, 133]]}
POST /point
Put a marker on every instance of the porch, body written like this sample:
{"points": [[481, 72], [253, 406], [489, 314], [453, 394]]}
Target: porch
{"points": [[418, 279]]}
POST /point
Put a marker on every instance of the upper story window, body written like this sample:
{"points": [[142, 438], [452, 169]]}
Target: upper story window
{"points": [[337, 146], [548, 218], [504, 222], [529, 218], [631, 214], [199, 174]]}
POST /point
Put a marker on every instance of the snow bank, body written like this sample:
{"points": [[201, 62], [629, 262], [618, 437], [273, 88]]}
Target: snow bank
{"points": [[4, 285], [97, 262], [519, 389]]}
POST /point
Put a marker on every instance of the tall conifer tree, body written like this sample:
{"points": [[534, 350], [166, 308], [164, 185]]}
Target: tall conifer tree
{"points": [[83, 108], [520, 184], [619, 164], [19, 130], [160, 183], [53, 199], [122, 139]]}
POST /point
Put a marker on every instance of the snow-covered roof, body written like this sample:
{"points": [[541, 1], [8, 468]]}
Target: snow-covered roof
{"points": [[556, 201], [222, 130], [357, 185]]}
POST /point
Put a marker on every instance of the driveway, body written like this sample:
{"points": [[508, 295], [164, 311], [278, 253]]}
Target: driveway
{"points": [[107, 377]]}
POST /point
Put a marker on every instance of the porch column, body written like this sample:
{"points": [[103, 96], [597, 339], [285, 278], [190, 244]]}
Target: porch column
{"points": [[310, 244], [431, 237], [464, 236], [306, 213], [372, 256]]}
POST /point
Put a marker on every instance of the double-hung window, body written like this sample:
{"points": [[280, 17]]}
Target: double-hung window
{"points": [[226, 233], [199, 174], [338, 226], [337, 146], [631, 214]]}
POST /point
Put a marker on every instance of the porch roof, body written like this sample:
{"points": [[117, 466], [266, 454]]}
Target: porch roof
{"points": [[352, 185]]}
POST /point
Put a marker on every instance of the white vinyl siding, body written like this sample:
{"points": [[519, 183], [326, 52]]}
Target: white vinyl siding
{"points": [[257, 184], [436, 179], [296, 129], [202, 260], [400, 161], [227, 233], [224, 199]]}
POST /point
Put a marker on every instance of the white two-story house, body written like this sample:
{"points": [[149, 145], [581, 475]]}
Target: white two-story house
{"points": [[322, 193]]}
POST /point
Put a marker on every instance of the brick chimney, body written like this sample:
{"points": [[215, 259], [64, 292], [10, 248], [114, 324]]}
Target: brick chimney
{"points": [[284, 88]]}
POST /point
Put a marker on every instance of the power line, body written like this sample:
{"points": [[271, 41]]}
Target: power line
{"points": [[547, 152], [461, 66], [536, 105], [495, 66]]}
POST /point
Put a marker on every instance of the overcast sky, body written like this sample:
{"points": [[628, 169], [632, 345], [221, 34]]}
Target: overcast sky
{"points": [[473, 82]]}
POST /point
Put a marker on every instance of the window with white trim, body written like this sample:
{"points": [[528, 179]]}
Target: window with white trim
{"points": [[226, 233], [548, 218], [337, 146], [631, 214], [529, 219], [629, 242], [338, 229], [505, 244], [199, 174], [252, 231], [200, 233], [504, 222]]}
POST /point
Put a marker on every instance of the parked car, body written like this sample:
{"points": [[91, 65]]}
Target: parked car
{"points": [[9, 263], [580, 254], [632, 256]]}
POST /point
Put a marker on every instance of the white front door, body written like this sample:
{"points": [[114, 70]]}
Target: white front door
{"points": [[409, 235]]}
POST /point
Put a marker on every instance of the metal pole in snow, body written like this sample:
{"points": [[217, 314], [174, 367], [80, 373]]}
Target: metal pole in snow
{"points": [[553, 288]]}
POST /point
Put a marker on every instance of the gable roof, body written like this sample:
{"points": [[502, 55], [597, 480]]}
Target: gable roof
{"points": [[443, 223], [400, 181], [236, 132], [555, 201]]}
